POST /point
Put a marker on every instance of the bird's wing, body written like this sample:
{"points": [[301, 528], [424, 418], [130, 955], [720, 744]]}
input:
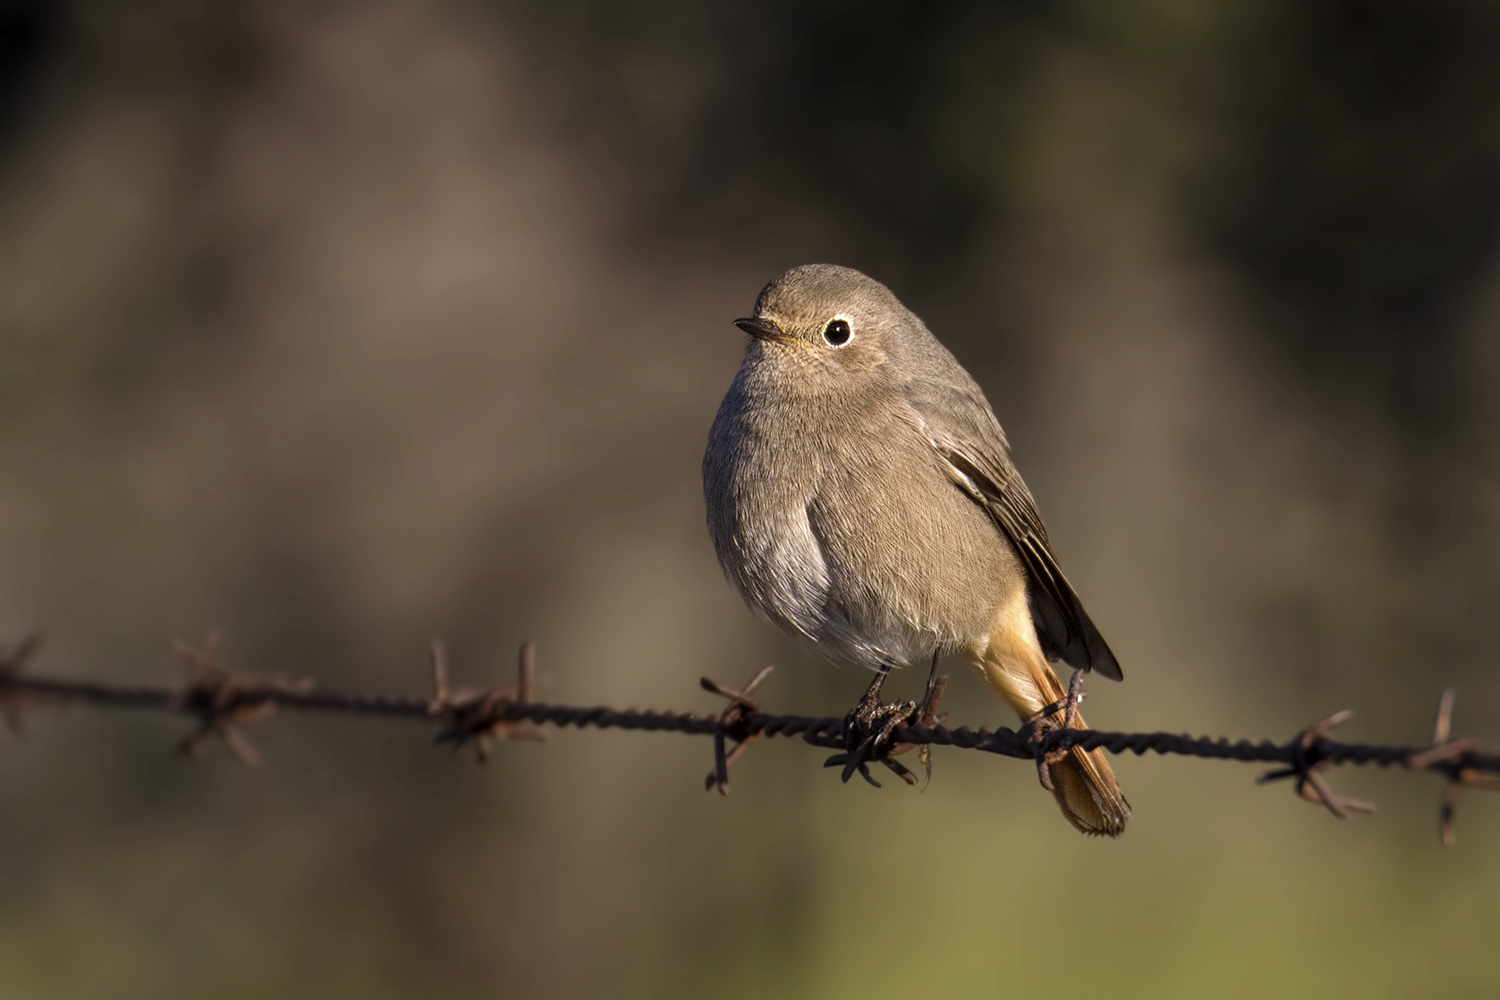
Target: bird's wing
{"points": [[972, 449]]}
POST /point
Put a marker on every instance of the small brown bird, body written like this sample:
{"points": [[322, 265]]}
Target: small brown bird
{"points": [[861, 495]]}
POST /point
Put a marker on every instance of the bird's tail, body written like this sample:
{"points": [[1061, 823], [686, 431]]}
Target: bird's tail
{"points": [[1083, 781]]}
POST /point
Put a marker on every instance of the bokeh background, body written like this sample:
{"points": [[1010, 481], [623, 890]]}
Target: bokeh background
{"points": [[344, 325]]}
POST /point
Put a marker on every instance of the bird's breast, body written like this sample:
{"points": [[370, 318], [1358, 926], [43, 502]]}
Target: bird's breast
{"points": [[833, 517], [760, 473]]}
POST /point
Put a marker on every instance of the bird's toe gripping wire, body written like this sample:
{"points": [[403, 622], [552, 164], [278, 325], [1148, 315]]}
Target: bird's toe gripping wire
{"points": [[871, 731]]}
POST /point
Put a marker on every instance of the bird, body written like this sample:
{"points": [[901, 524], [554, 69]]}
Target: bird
{"points": [[860, 494]]}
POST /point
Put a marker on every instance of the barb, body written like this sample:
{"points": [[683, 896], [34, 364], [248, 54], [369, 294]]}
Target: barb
{"points": [[10, 667], [730, 726], [473, 715], [222, 701], [1305, 767], [1450, 756]]}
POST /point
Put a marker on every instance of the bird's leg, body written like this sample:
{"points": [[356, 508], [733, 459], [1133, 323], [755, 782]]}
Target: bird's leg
{"points": [[927, 712], [934, 691], [871, 700], [872, 722], [1075, 695], [867, 732]]}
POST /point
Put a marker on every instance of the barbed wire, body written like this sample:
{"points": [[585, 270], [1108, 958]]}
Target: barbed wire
{"points": [[224, 701]]}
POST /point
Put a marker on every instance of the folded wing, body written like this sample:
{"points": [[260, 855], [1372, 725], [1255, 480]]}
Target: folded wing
{"points": [[971, 447]]}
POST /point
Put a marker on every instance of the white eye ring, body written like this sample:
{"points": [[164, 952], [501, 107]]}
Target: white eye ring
{"points": [[838, 332]]}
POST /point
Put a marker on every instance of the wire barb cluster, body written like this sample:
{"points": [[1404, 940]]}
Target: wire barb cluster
{"points": [[731, 726], [1304, 770], [223, 701], [473, 714], [1452, 758]]}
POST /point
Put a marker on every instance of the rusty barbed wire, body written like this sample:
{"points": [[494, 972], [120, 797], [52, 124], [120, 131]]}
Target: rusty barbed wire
{"points": [[224, 701]]}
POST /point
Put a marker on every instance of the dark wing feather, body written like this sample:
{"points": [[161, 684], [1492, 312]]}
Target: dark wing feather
{"points": [[972, 448]]}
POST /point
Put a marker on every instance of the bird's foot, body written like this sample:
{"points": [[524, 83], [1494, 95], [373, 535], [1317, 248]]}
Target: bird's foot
{"points": [[1060, 714], [870, 727], [867, 735]]}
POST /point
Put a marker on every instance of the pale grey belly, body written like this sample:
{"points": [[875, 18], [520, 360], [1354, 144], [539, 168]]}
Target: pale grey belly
{"points": [[914, 566]]}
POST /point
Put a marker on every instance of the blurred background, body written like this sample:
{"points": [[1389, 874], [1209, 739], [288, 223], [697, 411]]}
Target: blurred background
{"points": [[345, 325]]}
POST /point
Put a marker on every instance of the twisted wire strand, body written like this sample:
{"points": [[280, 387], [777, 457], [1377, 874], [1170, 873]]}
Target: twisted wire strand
{"points": [[223, 701], [200, 701]]}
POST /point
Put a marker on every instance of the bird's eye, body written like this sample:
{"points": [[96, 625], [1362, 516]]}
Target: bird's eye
{"points": [[837, 333]]}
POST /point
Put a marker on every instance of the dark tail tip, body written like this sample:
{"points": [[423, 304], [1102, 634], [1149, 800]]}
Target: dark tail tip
{"points": [[1088, 793]]}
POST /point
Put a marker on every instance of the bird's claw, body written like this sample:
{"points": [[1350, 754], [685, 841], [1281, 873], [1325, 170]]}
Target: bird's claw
{"points": [[867, 739], [867, 736], [870, 728]]}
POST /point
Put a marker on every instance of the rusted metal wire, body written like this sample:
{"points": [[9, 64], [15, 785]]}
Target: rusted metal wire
{"points": [[223, 701]]}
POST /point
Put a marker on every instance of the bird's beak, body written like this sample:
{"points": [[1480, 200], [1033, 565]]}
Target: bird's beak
{"points": [[760, 329]]}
